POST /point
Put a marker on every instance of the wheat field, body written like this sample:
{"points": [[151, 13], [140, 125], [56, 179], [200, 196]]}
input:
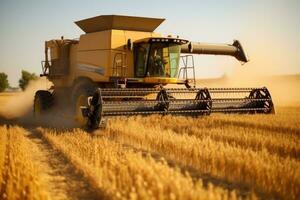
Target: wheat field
{"points": [[155, 157]]}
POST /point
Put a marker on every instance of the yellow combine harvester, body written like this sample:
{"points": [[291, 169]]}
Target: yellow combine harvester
{"points": [[120, 67]]}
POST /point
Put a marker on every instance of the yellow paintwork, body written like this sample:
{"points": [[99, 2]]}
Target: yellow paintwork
{"points": [[54, 51], [161, 80]]}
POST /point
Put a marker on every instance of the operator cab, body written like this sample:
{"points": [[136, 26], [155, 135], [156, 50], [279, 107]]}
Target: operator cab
{"points": [[157, 57]]}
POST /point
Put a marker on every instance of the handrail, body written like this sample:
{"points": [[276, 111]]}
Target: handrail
{"points": [[184, 69]]}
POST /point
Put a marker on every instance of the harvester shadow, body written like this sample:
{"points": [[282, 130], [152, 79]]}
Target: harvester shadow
{"points": [[9, 122], [207, 179], [28, 121], [80, 186]]}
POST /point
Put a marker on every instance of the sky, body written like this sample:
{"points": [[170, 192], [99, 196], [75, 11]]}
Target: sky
{"points": [[269, 30]]}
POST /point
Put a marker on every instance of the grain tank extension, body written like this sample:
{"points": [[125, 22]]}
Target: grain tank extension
{"points": [[120, 66]]}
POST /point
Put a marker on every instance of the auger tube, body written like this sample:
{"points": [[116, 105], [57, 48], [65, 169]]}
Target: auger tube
{"points": [[235, 49]]}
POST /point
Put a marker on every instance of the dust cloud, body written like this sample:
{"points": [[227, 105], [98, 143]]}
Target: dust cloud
{"points": [[284, 89], [17, 108], [21, 103]]}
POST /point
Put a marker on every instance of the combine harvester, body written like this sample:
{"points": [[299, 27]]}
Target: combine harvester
{"points": [[120, 67]]}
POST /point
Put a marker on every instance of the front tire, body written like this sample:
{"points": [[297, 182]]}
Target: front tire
{"points": [[80, 93], [43, 101]]}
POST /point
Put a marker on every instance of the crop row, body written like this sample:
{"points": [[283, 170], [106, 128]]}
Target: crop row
{"points": [[246, 137], [20, 176], [261, 170], [122, 173]]}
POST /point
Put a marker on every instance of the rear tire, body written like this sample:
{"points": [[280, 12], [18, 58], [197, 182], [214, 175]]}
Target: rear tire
{"points": [[43, 101]]}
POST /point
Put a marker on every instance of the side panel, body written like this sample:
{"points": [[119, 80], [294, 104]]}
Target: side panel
{"points": [[94, 65], [73, 63], [93, 56], [95, 41], [67, 80]]}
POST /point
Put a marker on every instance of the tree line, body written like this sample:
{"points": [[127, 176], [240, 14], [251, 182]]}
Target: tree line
{"points": [[26, 77]]}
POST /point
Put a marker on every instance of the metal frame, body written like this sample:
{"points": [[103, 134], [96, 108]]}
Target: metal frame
{"points": [[45, 67], [185, 69], [179, 101]]}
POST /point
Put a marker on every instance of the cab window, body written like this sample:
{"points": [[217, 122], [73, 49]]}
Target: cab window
{"points": [[141, 55]]}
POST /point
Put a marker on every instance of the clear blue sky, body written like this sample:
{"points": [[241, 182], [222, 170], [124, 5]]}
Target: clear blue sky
{"points": [[269, 30]]}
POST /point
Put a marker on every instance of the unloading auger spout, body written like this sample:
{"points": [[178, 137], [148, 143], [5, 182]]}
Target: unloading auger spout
{"points": [[235, 49]]}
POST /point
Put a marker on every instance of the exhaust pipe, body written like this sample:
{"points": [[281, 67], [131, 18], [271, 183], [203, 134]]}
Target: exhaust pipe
{"points": [[235, 49]]}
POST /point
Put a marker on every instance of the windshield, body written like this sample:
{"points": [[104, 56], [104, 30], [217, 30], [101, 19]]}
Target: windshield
{"points": [[163, 60], [160, 60]]}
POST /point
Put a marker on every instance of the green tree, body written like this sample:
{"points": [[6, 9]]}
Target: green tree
{"points": [[26, 78], [3, 81]]}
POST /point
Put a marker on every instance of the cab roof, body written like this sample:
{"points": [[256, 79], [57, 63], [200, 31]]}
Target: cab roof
{"points": [[163, 40]]}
